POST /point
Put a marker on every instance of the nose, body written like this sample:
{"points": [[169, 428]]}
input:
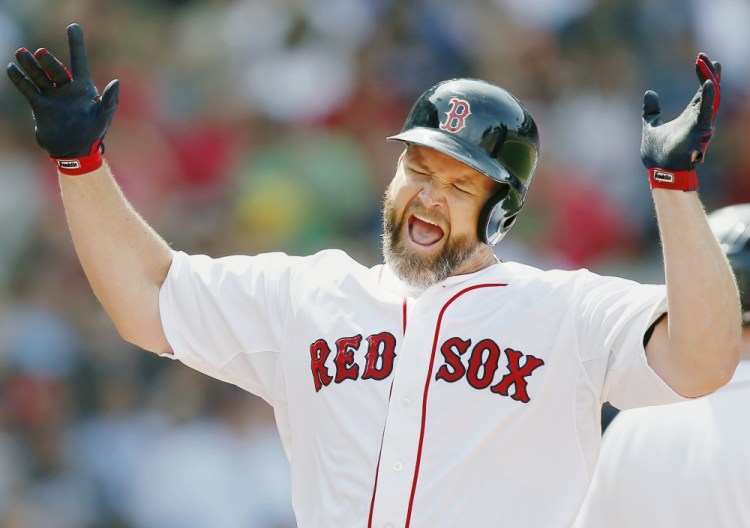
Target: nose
{"points": [[431, 197]]}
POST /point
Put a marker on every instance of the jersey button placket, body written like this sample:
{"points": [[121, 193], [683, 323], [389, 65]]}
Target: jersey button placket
{"points": [[404, 422]]}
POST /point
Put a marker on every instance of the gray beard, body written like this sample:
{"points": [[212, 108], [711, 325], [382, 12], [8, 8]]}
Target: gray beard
{"points": [[418, 270]]}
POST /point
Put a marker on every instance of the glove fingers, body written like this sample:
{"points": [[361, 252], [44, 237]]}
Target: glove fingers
{"points": [[79, 62], [717, 67], [110, 97], [709, 71], [33, 69], [27, 88], [53, 68], [651, 108], [707, 108]]}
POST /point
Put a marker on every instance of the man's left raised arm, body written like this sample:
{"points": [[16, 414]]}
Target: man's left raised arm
{"points": [[696, 348]]}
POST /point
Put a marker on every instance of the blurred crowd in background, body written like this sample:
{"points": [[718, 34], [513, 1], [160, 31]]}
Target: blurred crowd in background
{"points": [[259, 125]]}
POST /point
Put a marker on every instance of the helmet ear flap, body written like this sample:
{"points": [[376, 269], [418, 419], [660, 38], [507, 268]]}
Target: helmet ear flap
{"points": [[499, 214]]}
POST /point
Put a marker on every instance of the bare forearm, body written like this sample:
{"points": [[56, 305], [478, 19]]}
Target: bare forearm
{"points": [[124, 260], [704, 323]]}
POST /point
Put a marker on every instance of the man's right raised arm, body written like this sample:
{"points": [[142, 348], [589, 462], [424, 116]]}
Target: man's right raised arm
{"points": [[124, 259]]}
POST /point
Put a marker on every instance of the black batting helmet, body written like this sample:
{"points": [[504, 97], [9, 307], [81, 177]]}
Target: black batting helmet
{"points": [[488, 129], [731, 225]]}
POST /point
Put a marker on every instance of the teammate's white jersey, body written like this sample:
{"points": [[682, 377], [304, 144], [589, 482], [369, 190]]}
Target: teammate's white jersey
{"points": [[678, 466], [473, 403]]}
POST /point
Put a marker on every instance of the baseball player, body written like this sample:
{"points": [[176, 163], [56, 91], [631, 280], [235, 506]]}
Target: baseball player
{"points": [[442, 388], [684, 465]]}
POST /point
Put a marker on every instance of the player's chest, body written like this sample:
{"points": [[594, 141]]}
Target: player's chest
{"points": [[450, 343]]}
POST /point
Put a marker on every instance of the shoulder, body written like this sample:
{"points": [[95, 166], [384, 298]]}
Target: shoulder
{"points": [[332, 263], [327, 266], [551, 278], [583, 280], [329, 257]]}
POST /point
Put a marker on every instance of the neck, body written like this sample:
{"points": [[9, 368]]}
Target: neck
{"points": [[481, 258]]}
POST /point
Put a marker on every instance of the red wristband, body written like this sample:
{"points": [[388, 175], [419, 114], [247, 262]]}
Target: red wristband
{"points": [[82, 165], [673, 180]]}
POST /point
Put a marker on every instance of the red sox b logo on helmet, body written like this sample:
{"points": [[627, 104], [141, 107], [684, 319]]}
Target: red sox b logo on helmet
{"points": [[455, 118]]}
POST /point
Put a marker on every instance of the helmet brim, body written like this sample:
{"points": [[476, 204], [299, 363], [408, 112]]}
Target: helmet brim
{"points": [[458, 149]]}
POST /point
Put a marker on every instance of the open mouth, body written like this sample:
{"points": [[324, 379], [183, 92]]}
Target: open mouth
{"points": [[423, 232]]}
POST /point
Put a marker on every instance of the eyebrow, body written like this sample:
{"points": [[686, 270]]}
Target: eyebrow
{"points": [[415, 160], [466, 180]]}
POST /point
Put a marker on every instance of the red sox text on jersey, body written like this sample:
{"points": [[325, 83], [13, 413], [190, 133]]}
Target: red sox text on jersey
{"points": [[337, 363]]}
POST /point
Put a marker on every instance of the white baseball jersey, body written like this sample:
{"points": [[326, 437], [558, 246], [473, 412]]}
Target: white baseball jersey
{"points": [[678, 466], [475, 402]]}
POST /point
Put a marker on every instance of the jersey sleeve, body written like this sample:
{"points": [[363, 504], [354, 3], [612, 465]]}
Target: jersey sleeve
{"points": [[226, 317], [614, 316]]}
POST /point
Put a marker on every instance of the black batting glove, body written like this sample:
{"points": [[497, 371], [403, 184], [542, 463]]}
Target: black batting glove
{"points": [[671, 151], [71, 117]]}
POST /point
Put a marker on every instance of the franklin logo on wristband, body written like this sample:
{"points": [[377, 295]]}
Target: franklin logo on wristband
{"points": [[68, 164], [686, 180], [82, 165], [662, 176]]}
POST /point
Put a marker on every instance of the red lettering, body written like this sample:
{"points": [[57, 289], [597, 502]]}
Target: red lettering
{"points": [[453, 369], [481, 370], [381, 349], [346, 368], [319, 352], [516, 375]]}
